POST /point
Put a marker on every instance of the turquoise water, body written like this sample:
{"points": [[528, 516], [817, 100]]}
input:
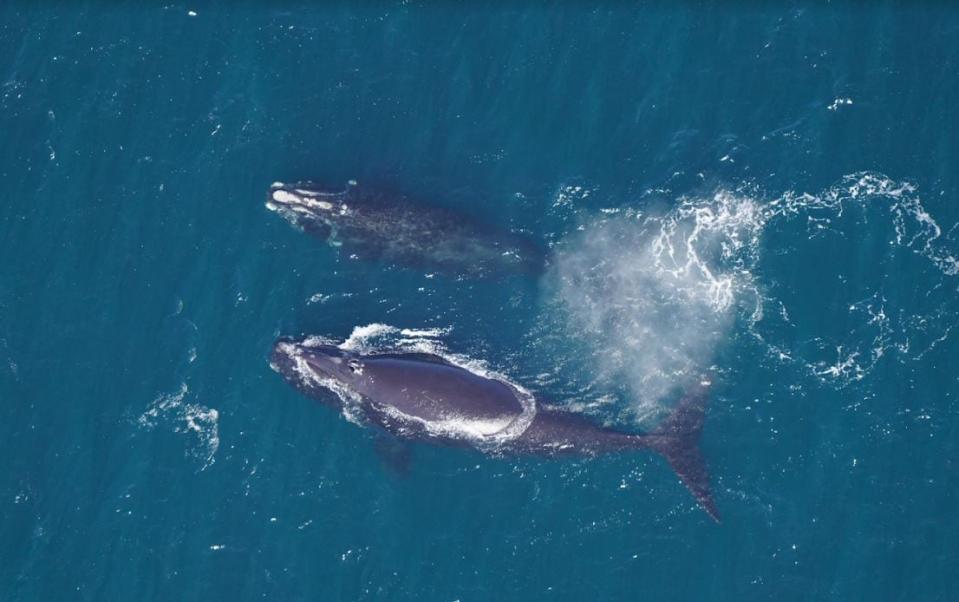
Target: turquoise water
{"points": [[763, 195]]}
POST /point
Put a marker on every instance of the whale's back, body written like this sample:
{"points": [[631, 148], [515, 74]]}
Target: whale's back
{"points": [[428, 389]]}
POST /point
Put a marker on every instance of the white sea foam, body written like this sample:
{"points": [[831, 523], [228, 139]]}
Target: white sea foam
{"points": [[570, 194], [428, 333], [351, 400], [326, 298], [189, 418], [875, 331], [654, 296], [838, 102]]}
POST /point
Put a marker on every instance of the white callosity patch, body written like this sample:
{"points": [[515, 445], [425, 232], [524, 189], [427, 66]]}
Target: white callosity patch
{"points": [[188, 418], [654, 296], [297, 202]]}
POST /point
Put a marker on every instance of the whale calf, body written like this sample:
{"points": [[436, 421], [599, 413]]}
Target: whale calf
{"points": [[420, 396], [372, 225]]}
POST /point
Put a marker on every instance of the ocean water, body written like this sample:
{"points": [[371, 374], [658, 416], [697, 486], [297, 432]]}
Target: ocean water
{"points": [[763, 195]]}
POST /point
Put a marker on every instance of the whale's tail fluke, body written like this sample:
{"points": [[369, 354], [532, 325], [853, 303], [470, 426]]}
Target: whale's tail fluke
{"points": [[677, 439]]}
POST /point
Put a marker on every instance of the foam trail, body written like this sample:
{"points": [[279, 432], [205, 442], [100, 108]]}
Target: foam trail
{"points": [[653, 297]]}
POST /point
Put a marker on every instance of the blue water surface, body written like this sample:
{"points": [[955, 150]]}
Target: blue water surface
{"points": [[799, 160]]}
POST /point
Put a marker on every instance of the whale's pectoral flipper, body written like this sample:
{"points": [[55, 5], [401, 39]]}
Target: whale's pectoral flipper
{"points": [[397, 455], [677, 439], [318, 228]]}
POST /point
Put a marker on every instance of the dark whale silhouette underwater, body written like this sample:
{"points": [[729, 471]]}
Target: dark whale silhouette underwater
{"points": [[372, 225], [419, 396]]}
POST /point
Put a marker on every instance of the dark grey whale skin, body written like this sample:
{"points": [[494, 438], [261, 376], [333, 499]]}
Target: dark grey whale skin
{"points": [[374, 225], [429, 388]]}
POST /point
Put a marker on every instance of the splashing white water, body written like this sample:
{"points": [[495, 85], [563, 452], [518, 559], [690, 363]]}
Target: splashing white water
{"points": [[653, 297], [372, 338], [189, 418]]}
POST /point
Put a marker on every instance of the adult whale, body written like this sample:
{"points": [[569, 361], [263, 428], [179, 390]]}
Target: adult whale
{"points": [[372, 225], [425, 397]]}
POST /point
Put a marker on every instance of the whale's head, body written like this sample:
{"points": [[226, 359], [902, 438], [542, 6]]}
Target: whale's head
{"points": [[317, 368], [304, 205]]}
